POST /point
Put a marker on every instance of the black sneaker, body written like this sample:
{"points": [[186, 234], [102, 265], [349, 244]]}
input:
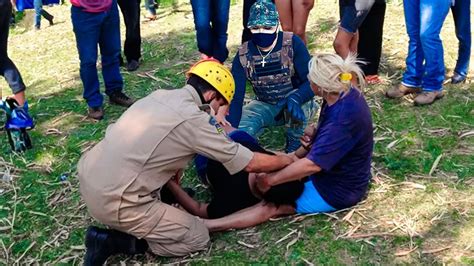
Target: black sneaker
{"points": [[97, 247], [132, 65], [457, 78], [119, 98]]}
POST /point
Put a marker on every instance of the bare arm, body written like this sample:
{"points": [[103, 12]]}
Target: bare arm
{"points": [[249, 217], [301, 152], [267, 163], [295, 171], [189, 204], [306, 141]]}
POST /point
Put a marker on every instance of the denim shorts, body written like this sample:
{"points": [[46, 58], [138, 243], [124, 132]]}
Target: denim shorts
{"points": [[353, 13], [311, 202]]}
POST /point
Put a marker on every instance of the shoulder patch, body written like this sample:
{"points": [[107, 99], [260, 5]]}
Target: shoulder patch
{"points": [[219, 128]]}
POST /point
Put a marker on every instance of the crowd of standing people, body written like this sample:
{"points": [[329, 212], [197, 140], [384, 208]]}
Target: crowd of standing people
{"points": [[129, 181]]}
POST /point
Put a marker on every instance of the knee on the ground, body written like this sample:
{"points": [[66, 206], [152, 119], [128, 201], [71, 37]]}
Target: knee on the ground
{"points": [[198, 237], [195, 239]]}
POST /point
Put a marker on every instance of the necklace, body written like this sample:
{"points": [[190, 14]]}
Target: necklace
{"points": [[264, 56]]}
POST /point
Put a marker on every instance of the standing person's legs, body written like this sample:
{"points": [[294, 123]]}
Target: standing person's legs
{"points": [[132, 46], [462, 21], [220, 20], [150, 7], [109, 42], [352, 15], [285, 12], [246, 34], [433, 14], [7, 67], [47, 16], [415, 67], [87, 27], [39, 11], [415, 59], [202, 23], [370, 39], [347, 29], [301, 9], [38, 5], [342, 42]]}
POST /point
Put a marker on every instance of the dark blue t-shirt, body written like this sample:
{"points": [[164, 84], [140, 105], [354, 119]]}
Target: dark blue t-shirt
{"points": [[342, 147]]}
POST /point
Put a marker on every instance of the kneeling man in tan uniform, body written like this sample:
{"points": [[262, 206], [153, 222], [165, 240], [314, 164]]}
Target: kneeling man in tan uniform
{"points": [[121, 177]]}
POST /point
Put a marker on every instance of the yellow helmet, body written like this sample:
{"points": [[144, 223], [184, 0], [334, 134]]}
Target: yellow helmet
{"points": [[217, 75]]}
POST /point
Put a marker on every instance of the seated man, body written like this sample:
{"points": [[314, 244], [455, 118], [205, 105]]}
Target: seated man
{"points": [[232, 193], [275, 63]]}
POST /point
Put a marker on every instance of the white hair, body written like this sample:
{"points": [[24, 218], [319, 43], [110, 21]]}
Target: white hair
{"points": [[325, 71]]}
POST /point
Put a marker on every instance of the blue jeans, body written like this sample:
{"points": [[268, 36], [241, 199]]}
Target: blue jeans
{"points": [[7, 67], [462, 21], [258, 115], [425, 62], [353, 14], [103, 29], [210, 20], [39, 11]]}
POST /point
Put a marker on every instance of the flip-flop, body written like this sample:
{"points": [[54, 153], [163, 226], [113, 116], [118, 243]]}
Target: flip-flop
{"points": [[373, 79]]}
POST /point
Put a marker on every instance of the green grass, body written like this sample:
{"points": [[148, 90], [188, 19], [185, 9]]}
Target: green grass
{"points": [[418, 210]]}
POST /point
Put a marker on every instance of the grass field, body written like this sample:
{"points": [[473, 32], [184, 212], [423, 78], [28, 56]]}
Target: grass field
{"points": [[420, 209]]}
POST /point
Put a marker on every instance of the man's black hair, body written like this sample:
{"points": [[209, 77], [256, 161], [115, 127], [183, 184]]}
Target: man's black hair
{"points": [[201, 86], [286, 193]]}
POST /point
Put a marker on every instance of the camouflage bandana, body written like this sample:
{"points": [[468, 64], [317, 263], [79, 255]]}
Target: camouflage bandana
{"points": [[263, 14]]}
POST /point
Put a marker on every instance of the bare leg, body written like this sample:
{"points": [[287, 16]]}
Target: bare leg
{"points": [[249, 217], [286, 14], [354, 43], [19, 97], [342, 43], [301, 9]]}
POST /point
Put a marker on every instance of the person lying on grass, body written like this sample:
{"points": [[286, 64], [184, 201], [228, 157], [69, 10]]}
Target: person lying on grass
{"points": [[335, 167], [232, 193]]}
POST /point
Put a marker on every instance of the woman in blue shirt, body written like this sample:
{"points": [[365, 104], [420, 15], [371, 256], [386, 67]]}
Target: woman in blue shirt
{"points": [[336, 166]]}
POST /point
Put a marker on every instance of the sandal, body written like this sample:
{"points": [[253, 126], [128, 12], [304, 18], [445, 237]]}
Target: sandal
{"points": [[373, 79]]}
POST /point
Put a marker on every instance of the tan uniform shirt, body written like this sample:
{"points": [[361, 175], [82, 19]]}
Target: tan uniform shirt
{"points": [[154, 138]]}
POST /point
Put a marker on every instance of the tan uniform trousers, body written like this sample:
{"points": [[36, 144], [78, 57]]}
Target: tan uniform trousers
{"points": [[177, 233]]}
